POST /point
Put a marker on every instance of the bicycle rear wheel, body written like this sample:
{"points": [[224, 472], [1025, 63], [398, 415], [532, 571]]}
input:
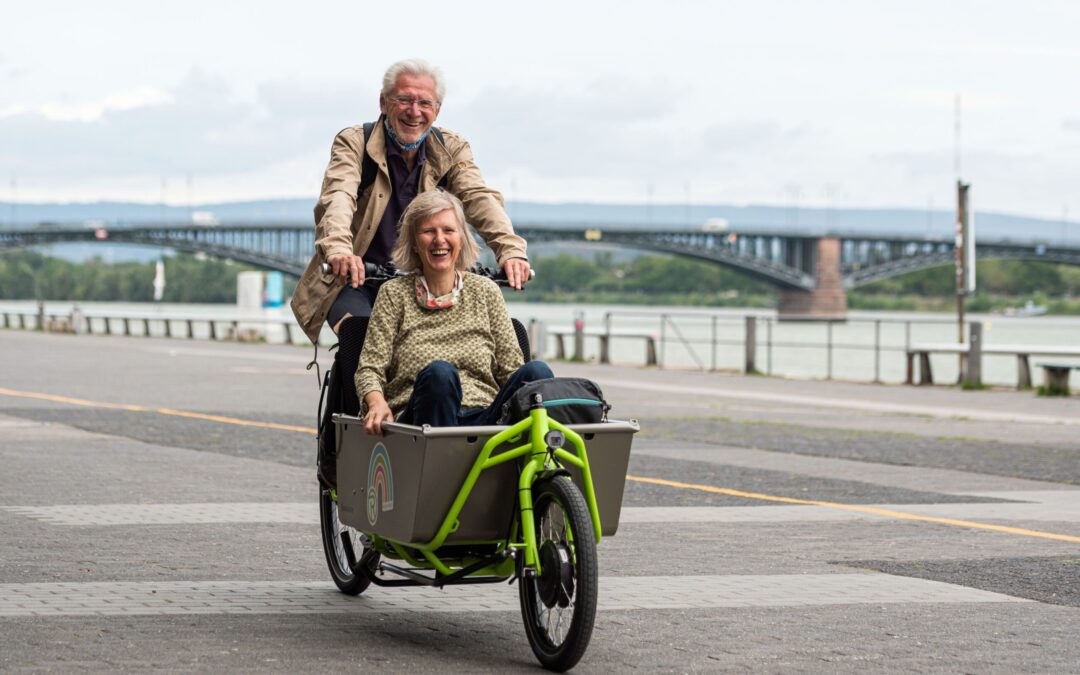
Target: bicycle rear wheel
{"points": [[334, 536], [559, 605]]}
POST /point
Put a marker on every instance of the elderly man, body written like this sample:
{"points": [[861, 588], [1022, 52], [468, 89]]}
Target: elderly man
{"points": [[375, 170]]}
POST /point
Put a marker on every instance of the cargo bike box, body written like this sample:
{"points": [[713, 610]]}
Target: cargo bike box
{"points": [[402, 485]]}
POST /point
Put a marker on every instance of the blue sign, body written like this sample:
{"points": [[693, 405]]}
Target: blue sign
{"points": [[274, 291]]}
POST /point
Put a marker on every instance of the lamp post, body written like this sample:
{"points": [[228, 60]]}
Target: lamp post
{"points": [[965, 258]]}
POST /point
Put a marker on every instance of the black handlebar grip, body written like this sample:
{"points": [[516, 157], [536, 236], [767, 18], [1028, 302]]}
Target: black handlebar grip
{"points": [[369, 268]]}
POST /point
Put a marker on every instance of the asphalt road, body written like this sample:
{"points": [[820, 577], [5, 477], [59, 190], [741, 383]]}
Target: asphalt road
{"points": [[157, 511]]}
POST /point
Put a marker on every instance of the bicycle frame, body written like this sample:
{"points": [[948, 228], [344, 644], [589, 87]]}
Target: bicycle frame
{"points": [[539, 460]]}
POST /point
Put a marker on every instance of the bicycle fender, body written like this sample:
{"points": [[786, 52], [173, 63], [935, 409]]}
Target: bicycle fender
{"points": [[548, 474]]}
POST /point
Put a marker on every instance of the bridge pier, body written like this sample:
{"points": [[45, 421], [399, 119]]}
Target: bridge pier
{"points": [[829, 299]]}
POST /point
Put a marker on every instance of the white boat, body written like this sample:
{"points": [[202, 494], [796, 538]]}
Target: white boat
{"points": [[1029, 309]]}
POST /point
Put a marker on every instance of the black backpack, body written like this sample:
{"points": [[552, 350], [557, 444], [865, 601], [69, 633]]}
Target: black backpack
{"points": [[570, 400]]}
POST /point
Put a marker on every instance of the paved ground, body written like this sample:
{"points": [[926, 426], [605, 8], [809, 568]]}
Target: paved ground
{"points": [[767, 525]]}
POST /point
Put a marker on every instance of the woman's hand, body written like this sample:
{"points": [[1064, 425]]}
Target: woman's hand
{"points": [[378, 413]]}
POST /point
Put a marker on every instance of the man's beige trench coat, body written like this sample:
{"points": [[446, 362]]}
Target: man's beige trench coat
{"points": [[345, 224]]}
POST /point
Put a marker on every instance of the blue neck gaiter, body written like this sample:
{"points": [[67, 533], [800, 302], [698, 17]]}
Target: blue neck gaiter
{"points": [[405, 147]]}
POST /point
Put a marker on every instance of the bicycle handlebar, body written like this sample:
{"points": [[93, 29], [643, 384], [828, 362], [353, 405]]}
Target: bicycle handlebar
{"points": [[380, 273], [370, 270]]}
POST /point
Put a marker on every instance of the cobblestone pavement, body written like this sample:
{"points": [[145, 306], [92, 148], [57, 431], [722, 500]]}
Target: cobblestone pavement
{"points": [[767, 525], [620, 593]]}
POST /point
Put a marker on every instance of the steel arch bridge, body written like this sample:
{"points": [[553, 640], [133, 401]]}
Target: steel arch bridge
{"points": [[282, 248], [787, 260]]}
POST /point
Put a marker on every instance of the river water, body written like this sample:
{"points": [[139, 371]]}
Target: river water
{"points": [[868, 346]]}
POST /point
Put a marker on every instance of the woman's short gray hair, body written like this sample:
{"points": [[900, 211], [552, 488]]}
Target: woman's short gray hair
{"points": [[405, 256], [414, 67]]}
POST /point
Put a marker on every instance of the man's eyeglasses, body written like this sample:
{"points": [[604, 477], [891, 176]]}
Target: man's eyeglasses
{"points": [[406, 102]]}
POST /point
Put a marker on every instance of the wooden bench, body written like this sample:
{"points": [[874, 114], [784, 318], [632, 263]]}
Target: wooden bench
{"points": [[1023, 353], [605, 337], [1056, 378], [922, 352]]}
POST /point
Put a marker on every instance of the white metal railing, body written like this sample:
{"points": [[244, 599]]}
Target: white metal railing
{"points": [[148, 324], [856, 348]]}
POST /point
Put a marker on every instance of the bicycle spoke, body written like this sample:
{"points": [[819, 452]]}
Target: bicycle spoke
{"points": [[339, 549], [559, 604], [554, 527]]}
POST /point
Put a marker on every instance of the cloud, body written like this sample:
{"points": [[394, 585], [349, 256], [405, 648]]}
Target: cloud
{"points": [[941, 163], [599, 128], [941, 99], [13, 111], [9, 71], [1071, 124], [201, 126], [314, 104], [746, 136], [93, 111], [611, 135], [626, 140]]}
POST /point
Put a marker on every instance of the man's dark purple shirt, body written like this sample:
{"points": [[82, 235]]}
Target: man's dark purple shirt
{"points": [[404, 186]]}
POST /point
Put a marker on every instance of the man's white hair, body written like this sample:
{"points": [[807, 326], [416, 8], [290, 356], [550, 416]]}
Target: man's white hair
{"points": [[414, 67]]}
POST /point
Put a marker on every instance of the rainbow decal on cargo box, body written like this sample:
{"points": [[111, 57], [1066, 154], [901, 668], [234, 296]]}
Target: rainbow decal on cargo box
{"points": [[380, 481]]}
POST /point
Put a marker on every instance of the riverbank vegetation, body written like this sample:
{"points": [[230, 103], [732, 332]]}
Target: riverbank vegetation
{"points": [[1004, 285], [28, 275], [648, 279]]}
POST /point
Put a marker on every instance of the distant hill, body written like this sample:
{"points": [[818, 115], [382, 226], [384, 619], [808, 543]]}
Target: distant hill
{"points": [[273, 211], [912, 222]]}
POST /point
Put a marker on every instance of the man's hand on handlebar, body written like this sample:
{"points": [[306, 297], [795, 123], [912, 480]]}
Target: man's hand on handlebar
{"points": [[378, 413], [347, 268], [517, 272]]}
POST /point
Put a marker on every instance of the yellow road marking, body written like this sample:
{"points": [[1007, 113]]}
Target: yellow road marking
{"points": [[233, 420], [72, 401], [160, 411], [887, 513]]}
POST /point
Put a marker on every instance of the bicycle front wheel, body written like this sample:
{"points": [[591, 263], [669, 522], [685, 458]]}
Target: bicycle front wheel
{"points": [[559, 604]]}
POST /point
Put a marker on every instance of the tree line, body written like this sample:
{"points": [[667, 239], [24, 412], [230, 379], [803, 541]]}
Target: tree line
{"points": [[1000, 284], [675, 280], [653, 279], [646, 279], [28, 274]]}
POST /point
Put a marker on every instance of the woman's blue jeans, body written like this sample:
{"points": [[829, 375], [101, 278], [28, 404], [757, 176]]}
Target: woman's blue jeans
{"points": [[436, 396]]}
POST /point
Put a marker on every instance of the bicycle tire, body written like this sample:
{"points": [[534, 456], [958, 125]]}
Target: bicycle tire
{"points": [[568, 581], [347, 580]]}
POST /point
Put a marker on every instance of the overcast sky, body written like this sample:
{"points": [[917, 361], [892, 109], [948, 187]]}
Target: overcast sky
{"points": [[841, 103]]}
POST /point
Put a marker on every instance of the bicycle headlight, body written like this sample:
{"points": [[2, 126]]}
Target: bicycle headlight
{"points": [[554, 439]]}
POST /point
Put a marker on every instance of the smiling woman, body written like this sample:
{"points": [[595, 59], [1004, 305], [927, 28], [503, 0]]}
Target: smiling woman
{"points": [[439, 244], [440, 348], [436, 217]]}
